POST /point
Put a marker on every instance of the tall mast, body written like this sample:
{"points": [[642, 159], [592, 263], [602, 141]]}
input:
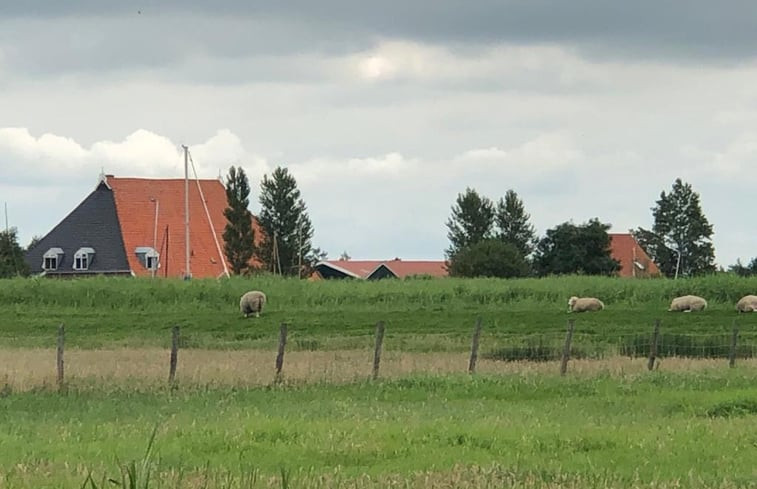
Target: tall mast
{"points": [[187, 272]]}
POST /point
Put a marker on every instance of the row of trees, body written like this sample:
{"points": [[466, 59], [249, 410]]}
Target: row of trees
{"points": [[497, 240], [285, 246], [487, 238]]}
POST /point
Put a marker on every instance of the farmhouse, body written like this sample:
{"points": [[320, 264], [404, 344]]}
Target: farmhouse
{"points": [[634, 261], [135, 226], [376, 269]]}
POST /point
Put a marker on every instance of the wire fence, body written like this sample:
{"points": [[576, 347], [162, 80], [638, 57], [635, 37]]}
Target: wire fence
{"points": [[548, 346]]}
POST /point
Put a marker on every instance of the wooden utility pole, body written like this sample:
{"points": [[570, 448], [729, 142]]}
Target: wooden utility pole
{"points": [[174, 355], [378, 348], [566, 348], [653, 346], [61, 340], [474, 347], [280, 354], [734, 339]]}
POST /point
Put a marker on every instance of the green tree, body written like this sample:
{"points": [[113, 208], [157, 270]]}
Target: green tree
{"points": [[680, 230], [287, 230], [12, 262], [513, 224], [238, 236], [744, 270], [582, 249], [489, 258], [471, 221]]}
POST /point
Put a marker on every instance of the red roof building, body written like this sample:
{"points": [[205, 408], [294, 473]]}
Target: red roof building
{"points": [[151, 214], [634, 261], [375, 269], [136, 226]]}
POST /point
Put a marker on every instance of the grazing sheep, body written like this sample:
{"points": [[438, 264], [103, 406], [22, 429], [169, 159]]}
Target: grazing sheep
{"points": [[252, 302], [748, 303], [582, 304], [688, 303]]}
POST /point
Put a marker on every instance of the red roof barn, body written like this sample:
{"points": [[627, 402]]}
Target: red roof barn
{"points": [[375, 269], [135, 226], [634, 261]]}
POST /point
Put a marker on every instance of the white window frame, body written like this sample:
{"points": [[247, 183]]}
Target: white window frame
{"points": [[146, 255], [52, 255], [83, 258]]}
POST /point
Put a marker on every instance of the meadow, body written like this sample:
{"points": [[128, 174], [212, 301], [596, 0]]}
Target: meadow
{"points": [[609, 423], [420, 315], [659, 429]]}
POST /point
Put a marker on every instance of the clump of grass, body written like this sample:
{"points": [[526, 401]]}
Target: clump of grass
{"points": [[133, 475], [742, 407]]}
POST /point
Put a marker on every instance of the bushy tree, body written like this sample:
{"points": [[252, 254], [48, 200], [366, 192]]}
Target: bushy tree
{"points": [[513, 224], [12, 262], [238, 236], [680, 228], [582, 249], [488, 258], [286, 226], [744, 270], [471, 221]]}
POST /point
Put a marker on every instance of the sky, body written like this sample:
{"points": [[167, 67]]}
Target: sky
{"points": [[386, 111]]}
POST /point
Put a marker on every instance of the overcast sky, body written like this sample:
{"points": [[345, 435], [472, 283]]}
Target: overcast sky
{"points": [[385, 112]]}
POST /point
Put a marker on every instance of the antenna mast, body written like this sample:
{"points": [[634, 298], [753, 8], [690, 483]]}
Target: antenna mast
{"points": [[187, 272]]}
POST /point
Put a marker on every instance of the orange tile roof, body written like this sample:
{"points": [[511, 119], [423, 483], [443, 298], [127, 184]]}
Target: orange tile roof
{"points": [[625, 249], [136, 201], [401, 268]]}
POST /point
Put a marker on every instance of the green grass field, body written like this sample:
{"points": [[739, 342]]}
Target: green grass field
{"points": [[653, 430], [421, 315], [608, 423]]}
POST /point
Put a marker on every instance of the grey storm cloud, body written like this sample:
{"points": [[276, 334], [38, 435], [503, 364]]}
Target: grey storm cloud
{"points": [[127, 31]]}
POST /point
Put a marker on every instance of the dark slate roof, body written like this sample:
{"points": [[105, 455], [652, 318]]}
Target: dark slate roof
{"points": [[93, 223]]}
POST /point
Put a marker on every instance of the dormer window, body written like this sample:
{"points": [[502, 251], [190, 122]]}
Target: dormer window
{"points": [[51, 259], [83, 258], [148, 256]]}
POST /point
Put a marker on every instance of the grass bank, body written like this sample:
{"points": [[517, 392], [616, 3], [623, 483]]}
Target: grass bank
{"points": [[421, 315]]}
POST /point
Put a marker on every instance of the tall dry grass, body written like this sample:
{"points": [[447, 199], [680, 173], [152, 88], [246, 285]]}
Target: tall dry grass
{"points": [[28, 369]]}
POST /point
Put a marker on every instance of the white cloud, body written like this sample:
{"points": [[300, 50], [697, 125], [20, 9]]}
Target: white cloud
{"points": [[390, 204], [542, 154], [50, 158]]}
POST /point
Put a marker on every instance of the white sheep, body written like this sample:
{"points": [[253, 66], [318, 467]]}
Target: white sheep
{"points": [[688, 303], [252, 302], [748, 303], [582, 304]]}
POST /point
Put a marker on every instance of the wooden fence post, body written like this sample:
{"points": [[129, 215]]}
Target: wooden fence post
{"points": [[280, 355], [474, 347], [653, 345], [61, 341], [566, 348], [377, 351], [174, 354], [734, 339]]}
